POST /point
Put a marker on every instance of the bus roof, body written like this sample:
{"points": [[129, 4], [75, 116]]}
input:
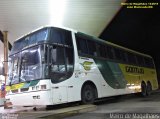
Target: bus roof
{"points": [[115, 45], [92, 37], [42, 27]]}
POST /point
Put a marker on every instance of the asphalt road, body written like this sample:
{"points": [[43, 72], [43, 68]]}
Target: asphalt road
{"points": [[127, 107]]}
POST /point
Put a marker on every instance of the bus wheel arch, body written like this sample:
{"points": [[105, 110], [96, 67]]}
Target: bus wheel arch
{"points": [[88, 92], [143, 89], [149, 88]]}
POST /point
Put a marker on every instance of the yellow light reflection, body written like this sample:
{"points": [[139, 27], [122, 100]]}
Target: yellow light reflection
{"points": [[134, 87]]}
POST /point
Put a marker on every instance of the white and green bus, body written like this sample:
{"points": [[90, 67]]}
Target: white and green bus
{"points": [[53, 65]]}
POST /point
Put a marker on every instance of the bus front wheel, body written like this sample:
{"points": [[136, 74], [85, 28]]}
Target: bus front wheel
{"points": [[88, 94]]}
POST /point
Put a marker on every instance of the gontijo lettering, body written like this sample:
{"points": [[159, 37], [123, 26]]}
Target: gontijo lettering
{"points": [[131, 69]]}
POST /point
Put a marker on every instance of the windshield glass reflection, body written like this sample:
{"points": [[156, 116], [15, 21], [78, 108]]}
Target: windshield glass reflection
{"points": [[25, 66], [14, 68], [30, 65]]}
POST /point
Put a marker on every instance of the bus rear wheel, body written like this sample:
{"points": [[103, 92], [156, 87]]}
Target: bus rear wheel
{"points": [[88, 94], [143, 89], [149, 89]]}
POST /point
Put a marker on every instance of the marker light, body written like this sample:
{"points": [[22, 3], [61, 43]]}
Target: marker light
{"points": [[37, 87]]}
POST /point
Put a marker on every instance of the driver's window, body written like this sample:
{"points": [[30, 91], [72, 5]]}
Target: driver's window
{"points": [[57, 63], [57, 59]]}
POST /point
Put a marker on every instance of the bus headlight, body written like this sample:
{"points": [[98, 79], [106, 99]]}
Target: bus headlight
{"points": [[39, 87], [43, 87]]}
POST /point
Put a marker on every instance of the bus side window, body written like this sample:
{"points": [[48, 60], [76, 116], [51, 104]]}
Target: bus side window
{"points": [[91, 48], [61, 36], [98, 49], [131, 58], [117, 54], [123, 55], [140, 60], [41, 35], [67, 38], [102, 52], [120, 55], [151, 63], [81, 45], [148, 62], [109, 52]]}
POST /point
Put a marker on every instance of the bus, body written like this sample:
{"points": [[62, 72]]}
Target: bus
{"points": [[55, 65]]}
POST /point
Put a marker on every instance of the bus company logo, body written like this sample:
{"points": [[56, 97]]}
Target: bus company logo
{"points": [[137, 70], [87, 65]]}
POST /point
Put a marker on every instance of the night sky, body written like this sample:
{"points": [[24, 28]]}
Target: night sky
{"points": [[137, 29]]}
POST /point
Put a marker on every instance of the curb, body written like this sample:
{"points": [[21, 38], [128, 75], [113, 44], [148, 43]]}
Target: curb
{"points": [[60, 113], [70, 111]]}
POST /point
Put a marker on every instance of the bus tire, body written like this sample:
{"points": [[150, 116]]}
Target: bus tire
{"points": [[143, 89], [149, 89], [88, 94]]}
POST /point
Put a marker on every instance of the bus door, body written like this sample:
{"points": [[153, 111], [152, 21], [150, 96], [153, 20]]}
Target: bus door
{"points": [[59, 94], [57, 73]]}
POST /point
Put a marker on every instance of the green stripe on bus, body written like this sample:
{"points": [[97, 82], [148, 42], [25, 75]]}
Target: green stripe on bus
{"points": [[111, 73], [34, 82]]}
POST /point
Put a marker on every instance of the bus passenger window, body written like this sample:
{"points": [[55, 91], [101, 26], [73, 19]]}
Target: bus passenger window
{"points": [[56, 35], [102, 51], [32, 39], [67, 38], [81, 45], [109, 52], [42, 35], [140, 60], [120, 55], [117, 54], [91, 48], [61, 36], [148, 62], [131, 58], [123, 55]]}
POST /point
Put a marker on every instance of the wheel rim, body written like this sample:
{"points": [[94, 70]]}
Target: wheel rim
{"points": [[88, 94]]}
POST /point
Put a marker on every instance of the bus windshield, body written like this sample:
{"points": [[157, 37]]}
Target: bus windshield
{"points": [[25, 66], [30, 65], [42, 55], [35, 38], [14, 69]]}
